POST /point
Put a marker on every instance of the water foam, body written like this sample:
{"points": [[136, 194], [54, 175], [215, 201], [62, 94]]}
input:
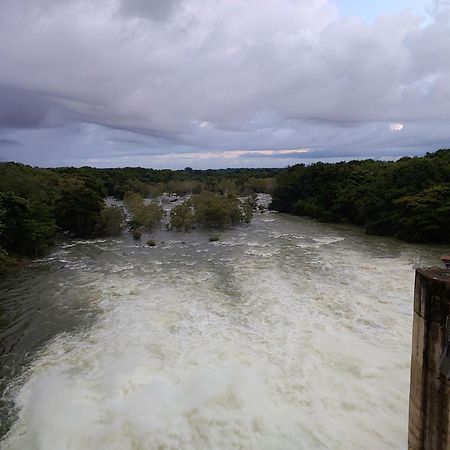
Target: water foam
{"points": [[307, 348]]}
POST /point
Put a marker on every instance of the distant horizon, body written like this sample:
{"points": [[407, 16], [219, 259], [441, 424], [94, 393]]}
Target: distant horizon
{"points": [[304, 161]]}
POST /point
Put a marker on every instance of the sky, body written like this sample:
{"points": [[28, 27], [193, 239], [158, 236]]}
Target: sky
{"points": [[222, 83]]}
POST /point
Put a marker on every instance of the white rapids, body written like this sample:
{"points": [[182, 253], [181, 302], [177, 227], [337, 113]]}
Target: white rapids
{"points": [[286, 334]]}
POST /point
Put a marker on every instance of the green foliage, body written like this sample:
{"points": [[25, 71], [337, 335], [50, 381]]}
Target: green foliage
{"points": [[151, 243], [247, 210], [26, 228], [226, 187], [28, 182], [155, 190], [7, 263], [148, 216], [112, 221], [78, 209], [425, 216], [307, 208], [136, 235], [210, 210], [253, 201], [182, 217], [145, 216], [259, 185], [36, 203], [154, 182], [183, 187], [214, 211], [133, 201], [407, 198], [15, 215], [41, 228]]}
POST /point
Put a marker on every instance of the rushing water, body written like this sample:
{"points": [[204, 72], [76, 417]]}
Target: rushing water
{"points": [[285, 334]]}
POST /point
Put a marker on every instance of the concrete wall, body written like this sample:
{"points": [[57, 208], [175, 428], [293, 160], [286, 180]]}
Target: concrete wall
{"points": [[429, 410]]}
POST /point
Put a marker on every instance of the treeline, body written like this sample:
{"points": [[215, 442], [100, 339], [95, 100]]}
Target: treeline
{"points": [[36, 204], [153, 182], [408, 199]]}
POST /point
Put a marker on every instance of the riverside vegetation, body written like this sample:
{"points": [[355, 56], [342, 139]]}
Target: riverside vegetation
{"points": [[38, 204], [408, 199]]}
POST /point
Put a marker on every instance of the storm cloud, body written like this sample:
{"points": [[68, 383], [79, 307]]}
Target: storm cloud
{"points": [[167, 83]]}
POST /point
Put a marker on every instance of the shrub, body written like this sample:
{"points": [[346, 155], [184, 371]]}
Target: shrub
{"points": [[111, 221], [247, 210], [182, 217], [214, 211], [148, 216], [133, 201]]}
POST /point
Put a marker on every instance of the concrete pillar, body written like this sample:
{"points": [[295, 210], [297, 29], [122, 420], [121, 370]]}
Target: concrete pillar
{"points": [[429, 400]]}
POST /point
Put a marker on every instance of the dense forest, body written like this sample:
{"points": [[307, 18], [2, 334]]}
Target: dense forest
{"points": [[37, 205], [408, 199]]}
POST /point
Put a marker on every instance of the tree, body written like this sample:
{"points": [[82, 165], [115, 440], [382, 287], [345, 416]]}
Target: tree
{"points": [[182, 217], [112, 221], [148, 216], [247, 210], [407, 198], [41, 228], [425, 217], [214, 211], [16, 213], [78, 210], [145, 216], [26, 228], [133, 201]]}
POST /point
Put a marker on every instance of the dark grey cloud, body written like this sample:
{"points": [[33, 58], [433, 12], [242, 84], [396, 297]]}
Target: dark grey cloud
{"points": [[107, 81], [8, 142], [153, 10], [19, 109]]}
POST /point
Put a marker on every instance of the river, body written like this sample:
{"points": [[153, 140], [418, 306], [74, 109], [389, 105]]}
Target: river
{"points": [[285, 334]]}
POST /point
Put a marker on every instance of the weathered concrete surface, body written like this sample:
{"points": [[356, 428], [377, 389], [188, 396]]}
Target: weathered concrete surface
{"points": [[429, 408]]}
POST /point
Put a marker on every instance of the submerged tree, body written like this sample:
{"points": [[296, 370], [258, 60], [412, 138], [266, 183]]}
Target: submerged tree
{"points": [[247, 210], [133, 201], [213, 211], [148, 216], [112, 221], [210, 210], [182, 217], [144, 216]]}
